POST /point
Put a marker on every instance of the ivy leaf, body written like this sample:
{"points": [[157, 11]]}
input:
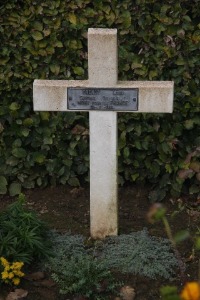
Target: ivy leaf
{"points": [[58, 44], [126, 152], [189, 124], [135, 176], [55, 68], [72, 18], [73, 181], [15, 189], [39, 158], [14, 106], [28, 122], [25, 132], [19, 152], [78, 70], [3, 185], [38, 26], [37, 35]]}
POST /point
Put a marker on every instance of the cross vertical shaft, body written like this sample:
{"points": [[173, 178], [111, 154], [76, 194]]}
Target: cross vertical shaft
{"points": [[103, 71]]}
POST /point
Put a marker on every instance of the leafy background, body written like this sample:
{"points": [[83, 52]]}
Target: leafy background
{"points": [[158, 40]]}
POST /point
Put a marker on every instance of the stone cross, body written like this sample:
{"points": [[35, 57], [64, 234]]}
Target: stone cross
{"points": [[103, 95]]}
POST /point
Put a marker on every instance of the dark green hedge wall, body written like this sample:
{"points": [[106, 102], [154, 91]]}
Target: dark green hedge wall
{"points": [[158, 40]]}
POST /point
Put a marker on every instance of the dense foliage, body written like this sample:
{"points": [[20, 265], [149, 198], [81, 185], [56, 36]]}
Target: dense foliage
{"points": [[158, 40], [23, 236]]}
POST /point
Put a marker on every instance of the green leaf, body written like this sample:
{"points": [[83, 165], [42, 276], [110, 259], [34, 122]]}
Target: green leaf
{"points": [[37, 35], [15, 189], [73, 181], [194, 189], [45, 115], [126, 152], [25, 132], [39, 158], [27, 122], [72, 18], [197, 243], [78, 70], [19, 152], [12, 161], [135, 176], [189, 124], [158, 27], [181, 236], [39, 181], [38, 26], [48, 141], [55, 68], [58, 44], [169, 293], [122, 140], [14, 106], [3, 185]]}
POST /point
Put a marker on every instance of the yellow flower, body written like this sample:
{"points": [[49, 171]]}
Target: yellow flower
{"points": [[4, 262], [191, 291], [18, 273], [7, 268], [11, 275], [17, 265], [4, 275], [16, 281]]}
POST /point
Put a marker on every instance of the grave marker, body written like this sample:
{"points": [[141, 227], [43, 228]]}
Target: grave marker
{"points": [[103, 96]]}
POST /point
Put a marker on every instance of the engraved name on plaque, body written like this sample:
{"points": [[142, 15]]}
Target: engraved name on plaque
{"points": [[102, 99]]}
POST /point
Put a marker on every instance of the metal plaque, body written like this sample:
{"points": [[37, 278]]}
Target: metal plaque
{"points": [[107, 99]]}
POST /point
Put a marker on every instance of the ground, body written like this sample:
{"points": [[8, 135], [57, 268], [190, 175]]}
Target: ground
{"points": [[67, 209]]}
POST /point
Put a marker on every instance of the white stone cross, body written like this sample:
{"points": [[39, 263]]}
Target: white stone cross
{"points": [[153, 97]]}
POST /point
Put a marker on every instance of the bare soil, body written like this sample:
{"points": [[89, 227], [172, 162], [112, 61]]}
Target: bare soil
{"points": [[67, 209]]}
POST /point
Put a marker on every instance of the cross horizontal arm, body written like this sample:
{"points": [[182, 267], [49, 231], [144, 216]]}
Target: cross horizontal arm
{"points": [[51, 95], [154, 96]]}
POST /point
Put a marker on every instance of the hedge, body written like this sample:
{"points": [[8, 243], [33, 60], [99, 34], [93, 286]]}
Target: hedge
{"points": [[158, 40]]}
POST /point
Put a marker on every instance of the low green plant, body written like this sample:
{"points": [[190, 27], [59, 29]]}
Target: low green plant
{"points": [[75, 268], [83, 275], [139, 253], [23, 236], [67, 245]]}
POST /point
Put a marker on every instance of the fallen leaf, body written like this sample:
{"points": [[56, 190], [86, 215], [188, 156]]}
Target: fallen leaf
{"points": [[48, 283], [127, 293], [77, 192], [17, 294]]}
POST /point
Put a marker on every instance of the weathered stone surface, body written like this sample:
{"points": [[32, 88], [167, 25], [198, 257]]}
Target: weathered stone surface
{"points": [[154, 96], [102, 64]]}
